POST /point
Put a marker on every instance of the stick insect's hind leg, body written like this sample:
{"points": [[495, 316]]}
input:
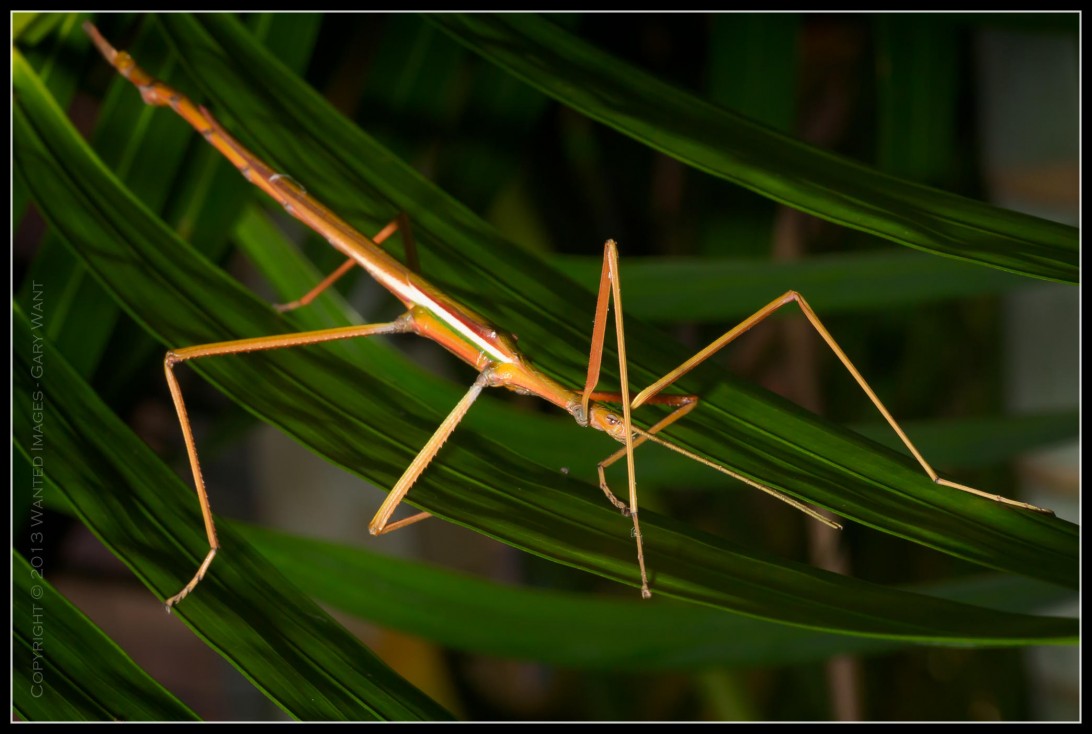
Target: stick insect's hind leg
{"points": [[240, 346], [379, 524], [760, 315], [400, 223]]}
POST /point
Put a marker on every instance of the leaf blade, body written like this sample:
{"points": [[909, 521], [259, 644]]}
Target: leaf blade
{"points": [[778, 167]]}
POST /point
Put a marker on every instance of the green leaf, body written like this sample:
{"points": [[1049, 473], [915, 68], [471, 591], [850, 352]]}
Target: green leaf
{"points": [[723, 144], [730, 289], [575, 630], [65, 669], [984, 441]]}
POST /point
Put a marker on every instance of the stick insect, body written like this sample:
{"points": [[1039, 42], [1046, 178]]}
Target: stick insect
{"points": [[469, 336]]}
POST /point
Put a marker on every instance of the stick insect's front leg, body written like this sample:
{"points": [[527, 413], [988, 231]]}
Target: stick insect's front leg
{"points": [[241, 346], [610, 289], [790, 297]]}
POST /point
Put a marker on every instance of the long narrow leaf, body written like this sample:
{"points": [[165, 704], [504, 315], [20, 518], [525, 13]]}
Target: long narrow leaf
{"points": [[774, 165], [578, 631], [732, 289], [65, 669]]}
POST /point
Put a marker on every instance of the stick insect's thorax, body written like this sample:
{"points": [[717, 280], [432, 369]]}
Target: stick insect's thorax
{"points": [[436, 316]]}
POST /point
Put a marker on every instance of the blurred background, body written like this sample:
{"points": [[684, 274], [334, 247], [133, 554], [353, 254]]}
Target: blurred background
{"points": [[981, 105]]}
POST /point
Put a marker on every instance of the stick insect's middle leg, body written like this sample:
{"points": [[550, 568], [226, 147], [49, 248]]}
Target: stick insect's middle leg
{"points": [[610, 290], [379, 524]]}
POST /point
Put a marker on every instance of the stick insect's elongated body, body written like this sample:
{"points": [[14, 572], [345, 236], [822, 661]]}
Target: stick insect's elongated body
{"points": [[436, 316]]}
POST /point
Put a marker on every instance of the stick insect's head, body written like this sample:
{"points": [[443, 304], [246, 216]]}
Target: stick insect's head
{"points": [[603, 419]]}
